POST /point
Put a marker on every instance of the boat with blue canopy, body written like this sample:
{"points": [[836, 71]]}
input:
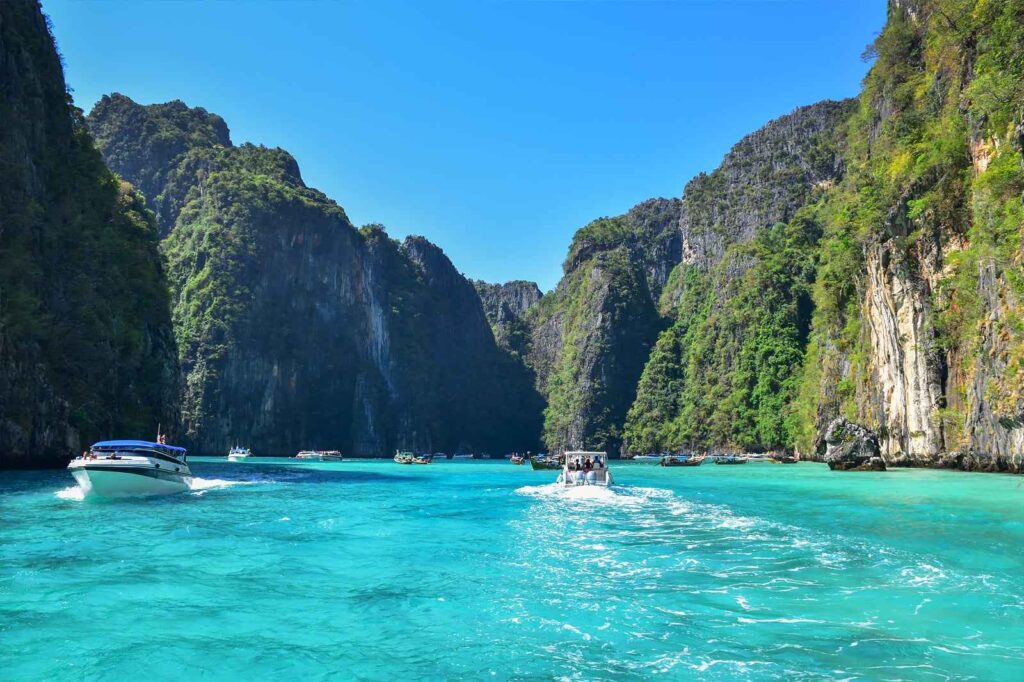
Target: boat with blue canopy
{"points": [[121, 468]]}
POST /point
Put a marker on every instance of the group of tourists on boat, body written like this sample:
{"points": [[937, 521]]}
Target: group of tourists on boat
{"points": [[585, 468]]}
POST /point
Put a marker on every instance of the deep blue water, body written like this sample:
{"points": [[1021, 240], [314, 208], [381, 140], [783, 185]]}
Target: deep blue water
{"points": [[480, 570]]}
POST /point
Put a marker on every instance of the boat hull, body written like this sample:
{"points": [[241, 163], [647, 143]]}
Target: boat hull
{"points": [[128, 481], [545, 466], [692, 462], [595, 477], [237, 458]]}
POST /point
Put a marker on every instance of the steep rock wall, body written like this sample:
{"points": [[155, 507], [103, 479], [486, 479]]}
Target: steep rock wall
{"points": [[297, 330], [86, 350], [591, 336], [918, 322]]}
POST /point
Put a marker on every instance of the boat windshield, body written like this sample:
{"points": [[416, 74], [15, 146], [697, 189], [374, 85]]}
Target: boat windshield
{"points": [[141, 447]]}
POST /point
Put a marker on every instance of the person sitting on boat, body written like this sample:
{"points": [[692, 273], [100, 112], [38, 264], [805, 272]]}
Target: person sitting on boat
{"points": [[587, 466]]}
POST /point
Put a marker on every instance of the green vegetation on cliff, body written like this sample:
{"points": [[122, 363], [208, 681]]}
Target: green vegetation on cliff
{"points": [[722, 375], [592, 335], [86, 350], [295, 329], [920, 285]]}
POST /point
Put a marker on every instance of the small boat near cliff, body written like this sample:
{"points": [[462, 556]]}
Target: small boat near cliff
{"points": [[648, 459], [585, 468], [239, 454], [544, 462], [783, 459], [681, 460], [125, 468], [409, 458]]}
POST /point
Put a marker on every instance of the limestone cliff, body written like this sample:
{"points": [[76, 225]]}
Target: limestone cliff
{"points": [[591, 335], [917, 331], [297, 330], [506, 306], [86, 350], [737, 300]]}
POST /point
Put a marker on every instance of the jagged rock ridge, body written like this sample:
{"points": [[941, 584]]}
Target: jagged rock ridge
{"points": [[297, 330]]}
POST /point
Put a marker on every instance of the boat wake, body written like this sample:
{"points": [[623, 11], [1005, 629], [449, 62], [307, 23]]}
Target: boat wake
{"points": [[627, 496], [72, 492], [200, 486]]}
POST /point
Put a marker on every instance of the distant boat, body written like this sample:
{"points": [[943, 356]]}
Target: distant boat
{"points": [[682, 460], [463, 455], [730, 459], [409, 458], [237, 454], [544, 462], [783, 459], [321, 455], [517, 459], [585, 468], [121, 468], [653, 459]]}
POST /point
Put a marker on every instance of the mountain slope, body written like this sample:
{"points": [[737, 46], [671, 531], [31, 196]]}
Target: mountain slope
{"points": [[296, 329], [591, 335], [86, 350], [723, 373], [918, 328]]}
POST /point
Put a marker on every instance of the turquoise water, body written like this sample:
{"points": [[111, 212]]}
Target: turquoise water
{"points": [[479, 570]]}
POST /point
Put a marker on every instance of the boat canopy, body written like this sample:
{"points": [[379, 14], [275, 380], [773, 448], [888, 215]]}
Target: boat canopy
{"points": [[578, 457], [138, 445]]}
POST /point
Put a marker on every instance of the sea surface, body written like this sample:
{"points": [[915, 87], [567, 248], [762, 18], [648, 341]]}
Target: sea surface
{"points": [[276, 569]]}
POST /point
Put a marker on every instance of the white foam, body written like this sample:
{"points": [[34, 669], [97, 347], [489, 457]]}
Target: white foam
{"points": [[627, 496], [201, 485], [922, 574], [71, 493]]}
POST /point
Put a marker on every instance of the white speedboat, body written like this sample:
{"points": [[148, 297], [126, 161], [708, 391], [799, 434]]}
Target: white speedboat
{"points": [[237, 454], [122, 468], [650, 459], [585, 468]]}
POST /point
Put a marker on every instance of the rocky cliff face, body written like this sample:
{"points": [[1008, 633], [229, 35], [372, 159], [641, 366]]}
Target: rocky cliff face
{"points": [[592, 334], [506, 306], [86, 350], [918, 324], [295, 329], [722, 372], [763, 180]]}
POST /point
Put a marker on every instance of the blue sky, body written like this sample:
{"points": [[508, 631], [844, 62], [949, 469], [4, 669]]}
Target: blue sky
{"points": [[494, 129]]}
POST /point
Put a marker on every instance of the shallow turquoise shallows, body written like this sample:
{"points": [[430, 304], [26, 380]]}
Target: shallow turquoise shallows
{"points": [[481, 570]]}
